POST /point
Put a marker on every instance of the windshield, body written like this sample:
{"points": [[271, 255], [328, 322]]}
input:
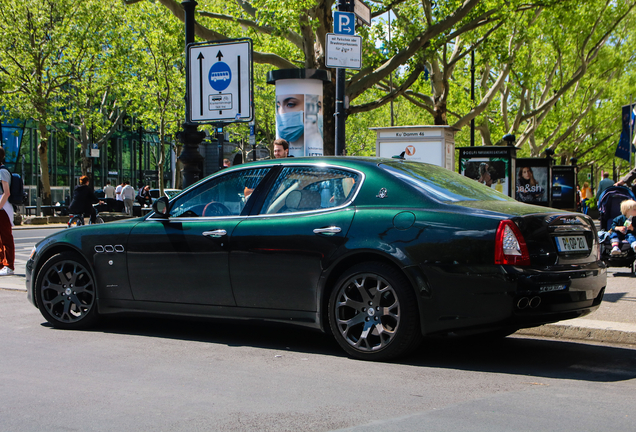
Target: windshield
{"points": [[442, 184]]}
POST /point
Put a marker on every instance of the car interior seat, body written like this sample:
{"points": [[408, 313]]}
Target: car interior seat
{"points": [[300, 200]]}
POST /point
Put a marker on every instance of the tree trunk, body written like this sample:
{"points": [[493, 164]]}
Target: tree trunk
{"points": [[85, 162], [178, 167], [44, 163], [439, 114], [161, 158]]}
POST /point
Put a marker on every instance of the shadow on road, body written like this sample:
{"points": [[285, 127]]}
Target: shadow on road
{"points": [[513, 355], [539, 357]]}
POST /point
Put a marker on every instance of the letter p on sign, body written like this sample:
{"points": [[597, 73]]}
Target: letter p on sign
{"points": [[344, 23]]}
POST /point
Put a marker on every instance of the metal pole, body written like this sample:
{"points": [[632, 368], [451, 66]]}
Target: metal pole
{"points": [[219, 138], [472, 96], [190, 136], [391, 76], [141, 148], [631, 128], [340, 96], [340, 114]]}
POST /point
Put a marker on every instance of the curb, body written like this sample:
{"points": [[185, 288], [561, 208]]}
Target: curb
{"points": [[13, 283], [586, 330]]}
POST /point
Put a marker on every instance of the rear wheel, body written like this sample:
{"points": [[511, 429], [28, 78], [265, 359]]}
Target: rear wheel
{"points": [[66, 293], [76, 221], [373, 313]]}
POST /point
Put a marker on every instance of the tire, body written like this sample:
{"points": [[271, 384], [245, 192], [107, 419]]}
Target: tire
{"points": [[76, 221], [66, 293], [389, 328], [99, 220]]}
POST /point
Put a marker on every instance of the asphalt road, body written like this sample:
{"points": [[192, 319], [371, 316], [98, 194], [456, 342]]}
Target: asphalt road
{"points": [[150, 374]]}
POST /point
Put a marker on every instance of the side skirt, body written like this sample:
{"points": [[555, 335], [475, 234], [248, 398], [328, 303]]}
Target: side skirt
{"points": [[110, 306]]}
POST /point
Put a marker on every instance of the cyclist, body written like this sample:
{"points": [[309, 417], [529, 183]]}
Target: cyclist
{"points": [[83, 200]]}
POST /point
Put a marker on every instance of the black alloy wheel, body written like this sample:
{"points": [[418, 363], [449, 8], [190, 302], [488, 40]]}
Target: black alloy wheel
{"points": [[66, 293], [373, 313]]}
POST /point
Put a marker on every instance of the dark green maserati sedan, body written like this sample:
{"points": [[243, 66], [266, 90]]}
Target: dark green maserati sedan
{"points": [[378, 252]]}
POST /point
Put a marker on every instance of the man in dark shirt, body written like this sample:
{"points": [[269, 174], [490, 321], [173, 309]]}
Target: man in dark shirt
{"points": [[83, 199]]}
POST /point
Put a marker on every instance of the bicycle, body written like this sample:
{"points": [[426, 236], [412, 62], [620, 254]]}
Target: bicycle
{"points": [[76, 220]]}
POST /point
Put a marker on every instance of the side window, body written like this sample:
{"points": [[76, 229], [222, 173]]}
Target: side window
{"points": [[299, 189], [225, 195]]}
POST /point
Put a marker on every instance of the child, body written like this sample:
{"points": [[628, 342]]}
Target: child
{"points": [[622, 227]]}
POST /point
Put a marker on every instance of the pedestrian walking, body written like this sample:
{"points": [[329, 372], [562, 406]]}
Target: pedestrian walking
{"points": [[118, 189], [7, 246], [128, 195], [109, 191]]}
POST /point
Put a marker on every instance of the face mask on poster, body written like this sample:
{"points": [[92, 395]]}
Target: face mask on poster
{"points": [[290, 125]]}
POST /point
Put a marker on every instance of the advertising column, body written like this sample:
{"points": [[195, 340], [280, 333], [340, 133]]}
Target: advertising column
{"points": [[299, 113]]}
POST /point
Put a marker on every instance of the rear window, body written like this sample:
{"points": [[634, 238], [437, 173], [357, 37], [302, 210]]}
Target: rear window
{"points": [[442, 184]]}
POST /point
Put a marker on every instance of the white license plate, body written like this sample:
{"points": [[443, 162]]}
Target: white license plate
{"points": [[572, 244]]}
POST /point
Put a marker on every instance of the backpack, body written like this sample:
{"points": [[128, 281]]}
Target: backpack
{"points": [[16, 188]]}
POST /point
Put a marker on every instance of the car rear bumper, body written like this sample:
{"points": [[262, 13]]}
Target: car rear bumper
{"points": [[545, 296], [471, 299]]}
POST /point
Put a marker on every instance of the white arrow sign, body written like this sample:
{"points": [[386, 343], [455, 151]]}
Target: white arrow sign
{"points": [[220, 82]]}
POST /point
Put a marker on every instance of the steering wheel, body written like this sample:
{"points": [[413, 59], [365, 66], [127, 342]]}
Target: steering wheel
{"points": [[216, 209]]}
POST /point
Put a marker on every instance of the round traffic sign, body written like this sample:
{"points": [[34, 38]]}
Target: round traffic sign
{"points": [[220, 76]]}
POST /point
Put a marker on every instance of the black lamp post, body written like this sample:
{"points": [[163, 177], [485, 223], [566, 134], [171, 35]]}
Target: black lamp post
{"points": [[548, 155], [509, 139], [190, 136]]}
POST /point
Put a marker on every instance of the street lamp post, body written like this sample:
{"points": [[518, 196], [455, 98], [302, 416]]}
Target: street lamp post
{"points": [[190, 136]]}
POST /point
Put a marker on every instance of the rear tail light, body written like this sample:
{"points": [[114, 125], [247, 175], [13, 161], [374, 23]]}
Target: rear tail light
{"points": [[510, 246]]}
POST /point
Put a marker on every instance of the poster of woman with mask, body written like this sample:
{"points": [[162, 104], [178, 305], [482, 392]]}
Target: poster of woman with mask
{"points": [[299, 116], [290, 122]]}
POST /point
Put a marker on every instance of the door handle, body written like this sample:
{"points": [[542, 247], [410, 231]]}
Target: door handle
{"points": [[328, 230], [215, 233]]}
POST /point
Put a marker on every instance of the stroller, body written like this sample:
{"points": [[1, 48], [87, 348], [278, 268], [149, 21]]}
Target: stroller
{"points": [[609, 206]]}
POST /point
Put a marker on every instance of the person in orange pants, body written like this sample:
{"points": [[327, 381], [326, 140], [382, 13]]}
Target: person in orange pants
{"points": [[7, 247]]}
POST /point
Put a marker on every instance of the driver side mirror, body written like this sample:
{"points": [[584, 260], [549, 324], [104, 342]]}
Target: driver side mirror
{"points": [[161, 207]]}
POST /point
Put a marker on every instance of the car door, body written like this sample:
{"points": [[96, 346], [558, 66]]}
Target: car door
{"points": [[279, 254], [184, 258]]}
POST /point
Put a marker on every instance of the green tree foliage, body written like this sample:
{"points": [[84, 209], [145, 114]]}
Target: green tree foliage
{"points": [[156, 88], [292, 34], [54, 57]]}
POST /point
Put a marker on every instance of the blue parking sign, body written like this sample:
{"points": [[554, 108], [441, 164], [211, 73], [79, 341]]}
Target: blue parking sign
{"points": [[344, 23]]}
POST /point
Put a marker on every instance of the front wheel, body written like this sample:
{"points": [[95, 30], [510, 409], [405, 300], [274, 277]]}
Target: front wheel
{"points": [[66, 293], [99, 220], [373, 313]]}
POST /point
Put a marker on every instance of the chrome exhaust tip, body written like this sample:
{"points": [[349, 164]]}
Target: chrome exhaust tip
{"points": [[523, 303], [535, 302]]}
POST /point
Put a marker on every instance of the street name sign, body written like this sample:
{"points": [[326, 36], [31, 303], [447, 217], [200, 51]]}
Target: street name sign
{"points": [[220, 84], [362, 11], [343, 51]]}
